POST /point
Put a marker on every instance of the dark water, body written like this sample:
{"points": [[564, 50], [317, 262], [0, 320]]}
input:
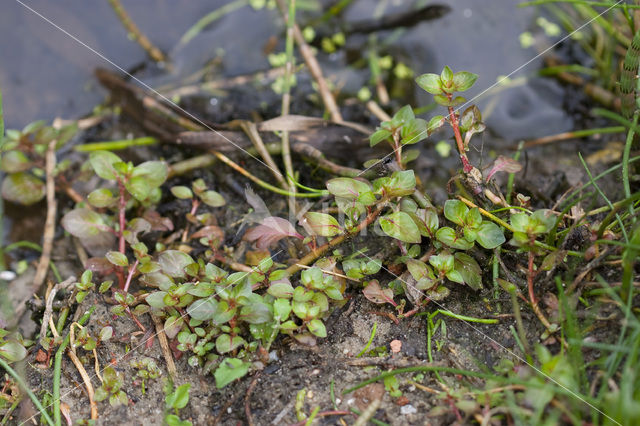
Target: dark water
{"points": [[44, 73]]}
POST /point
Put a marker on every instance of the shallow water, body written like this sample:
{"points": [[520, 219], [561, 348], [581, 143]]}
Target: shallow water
{"points": [[45, 73]]}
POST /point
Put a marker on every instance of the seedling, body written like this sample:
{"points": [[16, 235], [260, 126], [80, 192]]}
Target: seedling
{"points": [[147, 369], [111, 388], [177, 400]]}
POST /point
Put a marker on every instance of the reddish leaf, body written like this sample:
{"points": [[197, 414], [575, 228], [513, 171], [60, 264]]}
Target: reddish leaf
{"points": [[271, 230], [504, 164], [375, 294], [212, 233], [158, 223]]}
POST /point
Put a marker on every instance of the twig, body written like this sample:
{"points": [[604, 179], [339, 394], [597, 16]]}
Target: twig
{"points": [[314, 69], [247, 399], [320, 251], [57, 369], [193, 163], [226, 160], [166, 351], [48, 310], [319, 159], [252, 132], [376, 110], [50, 222], [368, 413], [335, 274], [286, 102], [83, 373], [135, 33]]}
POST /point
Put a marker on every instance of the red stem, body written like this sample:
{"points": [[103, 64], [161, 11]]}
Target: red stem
{"points": [[132, 270], [466, 166], [122, 205], [530, 276]]}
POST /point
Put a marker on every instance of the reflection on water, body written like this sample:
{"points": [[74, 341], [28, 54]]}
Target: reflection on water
{"points": [[45, 73]]}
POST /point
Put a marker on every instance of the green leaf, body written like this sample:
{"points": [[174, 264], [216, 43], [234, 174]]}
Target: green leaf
{"points": [[139, 187], [310, 277], [173, 263], [469, 270], [201, 310], [402, 183], [173, 420], [544, 220], [83, 223], [463, 80], [281, 290], [446, 76], [490, 235], [520, 222], [281, 309], [105, 333], [255, 311], [444, 101], [229, 370], [212, 198], [317, 328], [434, 124], [101, 198], [154, 172], [12, 351], [473, 218], [469, 117], [379, 136], [117, 258], [413, 131], [449, 237], [322, 224], [403, 116], [456, 211], [347, 188], [225, 343], [430, 83], [427, 221], [23, 188], [179, 398], [442, 262], [103, 162], [399, 225], [181, 192], [417, 268], [14, 161]]}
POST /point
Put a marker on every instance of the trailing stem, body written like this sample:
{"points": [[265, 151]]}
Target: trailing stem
{"points": [[122, 220], [466, 166], [320, 251]]}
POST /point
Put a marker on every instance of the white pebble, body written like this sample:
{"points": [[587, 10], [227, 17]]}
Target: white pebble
{"points": [[408, 409]]}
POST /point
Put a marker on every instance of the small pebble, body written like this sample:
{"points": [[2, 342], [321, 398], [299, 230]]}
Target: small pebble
{"points": [[408, 409], [351, 401], [7, 275], [315, 372], [229, 410]]}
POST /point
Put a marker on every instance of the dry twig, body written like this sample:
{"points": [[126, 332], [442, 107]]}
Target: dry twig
{"points": [[166, 351], [48, 310], [50, 222]]}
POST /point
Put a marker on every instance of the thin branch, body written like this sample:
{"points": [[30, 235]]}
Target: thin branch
{"points": [[135, 33], [314, 69], [50, 222]]}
